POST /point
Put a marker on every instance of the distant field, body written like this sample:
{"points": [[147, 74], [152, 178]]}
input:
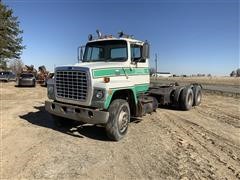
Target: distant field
{"points": [[233, 81], [222, 85]]}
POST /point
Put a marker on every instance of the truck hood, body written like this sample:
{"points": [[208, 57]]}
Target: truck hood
{"points": [[98, 65]]}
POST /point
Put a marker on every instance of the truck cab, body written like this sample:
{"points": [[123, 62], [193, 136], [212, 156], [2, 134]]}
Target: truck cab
{"points": [[107, 86]]}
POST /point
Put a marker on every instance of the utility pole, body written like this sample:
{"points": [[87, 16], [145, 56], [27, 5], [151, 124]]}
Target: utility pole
{"points": [[156, 64]]}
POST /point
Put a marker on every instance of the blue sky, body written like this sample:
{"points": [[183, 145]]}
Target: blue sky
{"points": [[197, 36]]}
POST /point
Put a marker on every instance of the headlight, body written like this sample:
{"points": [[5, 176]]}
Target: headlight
{"points": [[50, 90], [99, 94]]}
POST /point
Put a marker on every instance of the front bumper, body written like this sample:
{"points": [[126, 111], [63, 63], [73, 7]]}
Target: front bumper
{"points": [[26, 82], [77, 113], [3, 79]]}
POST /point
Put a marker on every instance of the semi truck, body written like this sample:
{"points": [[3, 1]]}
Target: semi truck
{"points": [[110, 84]]}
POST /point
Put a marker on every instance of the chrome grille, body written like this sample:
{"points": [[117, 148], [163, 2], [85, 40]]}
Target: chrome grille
{"points": [[72, 85]]}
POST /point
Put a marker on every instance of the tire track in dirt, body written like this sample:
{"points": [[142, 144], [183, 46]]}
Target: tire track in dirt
{"points": [[210, 144], [150, 150], [166, 134], [221, 115], [184, 153], [221, 139]]}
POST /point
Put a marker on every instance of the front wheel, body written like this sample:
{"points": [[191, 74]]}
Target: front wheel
{"points": [[119, 117]]}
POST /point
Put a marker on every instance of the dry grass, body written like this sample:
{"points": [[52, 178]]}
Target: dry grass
{"points": [[235, 81]]}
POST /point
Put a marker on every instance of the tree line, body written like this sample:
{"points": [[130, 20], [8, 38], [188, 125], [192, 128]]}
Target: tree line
{"points": [[235, 73]]}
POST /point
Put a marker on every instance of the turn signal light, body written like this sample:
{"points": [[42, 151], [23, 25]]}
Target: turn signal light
{"points": [[106, 79]]}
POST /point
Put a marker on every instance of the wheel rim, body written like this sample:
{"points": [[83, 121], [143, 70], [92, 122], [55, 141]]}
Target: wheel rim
{"points": [[198, 97], [123, 120], [190, 99]]}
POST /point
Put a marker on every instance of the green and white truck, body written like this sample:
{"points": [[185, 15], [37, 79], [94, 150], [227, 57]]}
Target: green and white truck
{"points": [[111, 84]]}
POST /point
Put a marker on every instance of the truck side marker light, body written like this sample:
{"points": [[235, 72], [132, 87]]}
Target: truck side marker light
{"points": [[109, 92]]}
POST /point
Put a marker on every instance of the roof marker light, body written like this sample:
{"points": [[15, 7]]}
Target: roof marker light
{"points": [[90, 37]]}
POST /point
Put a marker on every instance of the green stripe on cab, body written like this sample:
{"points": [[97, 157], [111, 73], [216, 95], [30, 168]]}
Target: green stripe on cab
{"points": [[136, 89], [109, 72]]}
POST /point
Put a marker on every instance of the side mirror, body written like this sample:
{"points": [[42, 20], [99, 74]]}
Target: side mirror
{"points": [[146, 50], [80, 53]]}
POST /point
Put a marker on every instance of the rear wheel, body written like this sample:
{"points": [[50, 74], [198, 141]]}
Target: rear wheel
{"points": [[119, 117], [18, 83], [197, 90], [34, 83], [186, 98]]}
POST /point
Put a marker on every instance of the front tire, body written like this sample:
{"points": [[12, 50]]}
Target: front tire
{"points": [[186, 99], [119, 117]]}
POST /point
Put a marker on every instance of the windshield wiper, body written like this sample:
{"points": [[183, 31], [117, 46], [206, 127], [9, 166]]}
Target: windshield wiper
{"points": [[87, 60], [116, 59], [107, 60]]}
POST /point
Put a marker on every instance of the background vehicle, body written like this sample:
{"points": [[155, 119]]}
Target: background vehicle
{"points": [[111, 85], [42, 75], [26, 79], [49, 76], [7, 76]]}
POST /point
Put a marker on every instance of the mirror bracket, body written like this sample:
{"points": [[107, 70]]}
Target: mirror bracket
{"points": [[80, 53], [146, 50]]}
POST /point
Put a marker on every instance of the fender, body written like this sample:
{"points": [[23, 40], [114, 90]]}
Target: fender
{"points": [[177, 92], [118, 92]]}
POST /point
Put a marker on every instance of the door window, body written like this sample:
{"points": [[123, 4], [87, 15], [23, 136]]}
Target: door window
{"points": [[136, 53]]}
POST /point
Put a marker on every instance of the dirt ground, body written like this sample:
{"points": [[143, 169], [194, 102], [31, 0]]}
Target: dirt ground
{"points": [[169, 144]]}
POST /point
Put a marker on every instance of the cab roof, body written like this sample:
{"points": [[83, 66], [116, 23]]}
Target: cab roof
{"points": [[114, 38]]}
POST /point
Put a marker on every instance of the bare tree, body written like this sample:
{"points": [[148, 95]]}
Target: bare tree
{"points": [[233, 74], [16, 66]]}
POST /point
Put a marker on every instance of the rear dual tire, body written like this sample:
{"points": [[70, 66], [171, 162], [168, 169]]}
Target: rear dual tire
{"points": [[190, 97], [197, 90], [186, 99]]}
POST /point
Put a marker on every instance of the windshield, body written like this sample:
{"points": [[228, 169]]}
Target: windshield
{"points": [[111, 50], [26, 75]]}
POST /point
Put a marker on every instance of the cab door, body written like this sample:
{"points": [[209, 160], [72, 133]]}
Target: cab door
{"points": [[140, 68]]}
